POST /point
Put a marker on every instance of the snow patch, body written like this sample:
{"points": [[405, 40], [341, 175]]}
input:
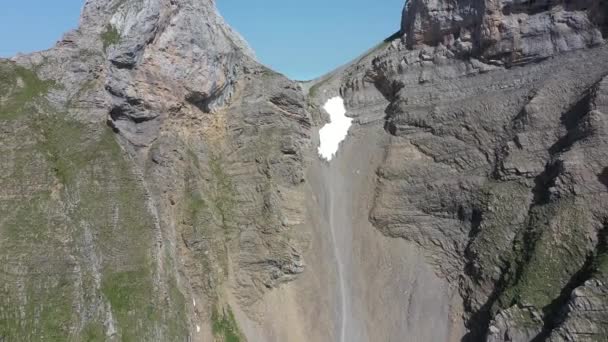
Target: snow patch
{"points": [[333, 133]]}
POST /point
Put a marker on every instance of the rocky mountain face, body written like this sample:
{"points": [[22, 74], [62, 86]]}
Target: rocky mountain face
{"points": [[159, 184], [146, 160]]}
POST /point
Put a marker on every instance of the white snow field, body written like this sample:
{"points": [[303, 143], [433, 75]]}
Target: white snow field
{"points": [[333, 133]]}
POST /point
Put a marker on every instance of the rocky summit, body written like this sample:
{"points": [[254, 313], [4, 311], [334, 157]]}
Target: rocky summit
{"points": [[157, 183]]}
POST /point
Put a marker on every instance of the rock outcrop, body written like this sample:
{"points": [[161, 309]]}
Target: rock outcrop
{"points": [[160, 184], [505, 31], [496, 162], [150, 167]]}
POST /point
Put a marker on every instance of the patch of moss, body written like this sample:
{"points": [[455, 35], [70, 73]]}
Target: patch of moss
{"points": [[199, 206], [93, 332], [65, 146], [131, 295], [524, 318], [553, 249], [33, 232], [196, 207], [223, 196], [202, 219], [224, 326], [48, 311], [504, 203], [19, 89], [98, 191], [29, 222], [110, 36], [314, 90], [176, 317]]}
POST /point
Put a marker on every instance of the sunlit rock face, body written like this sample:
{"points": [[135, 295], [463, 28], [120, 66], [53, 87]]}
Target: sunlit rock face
{"points": [[505, 31], [143, 180]]}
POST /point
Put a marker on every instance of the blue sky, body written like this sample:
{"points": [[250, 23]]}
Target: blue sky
{"points": [[31, 25], [307, 38], [302, 39]]}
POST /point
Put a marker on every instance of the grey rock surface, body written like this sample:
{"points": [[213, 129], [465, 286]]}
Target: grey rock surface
{"points": [[174, 163], [496, 158], [505, 31]]}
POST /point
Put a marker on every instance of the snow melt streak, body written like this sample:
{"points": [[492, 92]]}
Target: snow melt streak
{"points": [[332, 134]]}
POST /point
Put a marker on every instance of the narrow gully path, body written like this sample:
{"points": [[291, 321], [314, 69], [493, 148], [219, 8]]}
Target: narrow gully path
{"points": [[339, 264], [331, 135]]}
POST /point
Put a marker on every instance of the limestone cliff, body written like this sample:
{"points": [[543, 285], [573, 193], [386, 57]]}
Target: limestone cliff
{"points": [[159, 184], [496, 164], [147, 162]]}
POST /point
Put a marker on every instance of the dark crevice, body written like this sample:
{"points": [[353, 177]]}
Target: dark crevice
{"points": [[116, 113], [525, 247], [393, 37], [126, 59], [474, 217], [511, 274], [554, 312], [478, 324], [544, 182], [111, 124], [521, 120], [602, 248], [531, 7], [603, 18], [203, 100], [603, 177], [200, 100], [140, 119], [389, 90], [127, 112], [390, 126], [526, 244], [476, 27], [571, 120]]}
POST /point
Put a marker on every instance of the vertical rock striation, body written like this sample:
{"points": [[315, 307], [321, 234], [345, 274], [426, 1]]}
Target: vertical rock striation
{"points": [[159, 183], [496, 157]]}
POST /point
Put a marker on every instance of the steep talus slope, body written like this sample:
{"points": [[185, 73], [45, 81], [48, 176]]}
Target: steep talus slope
{"points": [[159, 184]]}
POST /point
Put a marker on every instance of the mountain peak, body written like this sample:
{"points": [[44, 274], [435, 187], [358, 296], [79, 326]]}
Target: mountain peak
{"points": [[171, 25]]}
